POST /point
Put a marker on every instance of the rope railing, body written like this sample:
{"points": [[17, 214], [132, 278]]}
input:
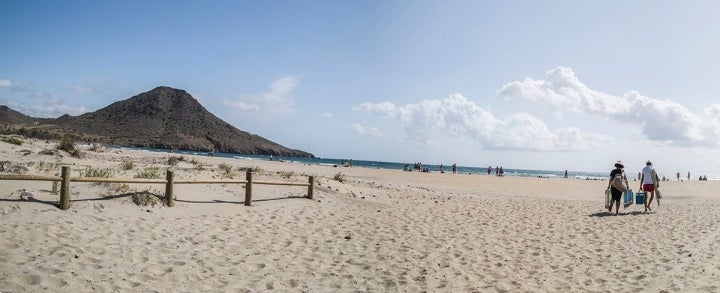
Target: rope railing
{"points": [[64, 179]]}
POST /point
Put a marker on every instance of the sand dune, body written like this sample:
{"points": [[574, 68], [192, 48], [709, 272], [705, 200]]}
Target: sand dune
{"points": [[379, 230]]}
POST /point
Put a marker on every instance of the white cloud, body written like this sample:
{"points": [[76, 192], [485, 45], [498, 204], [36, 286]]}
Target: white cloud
{"points": [[431, 120], [281, 89], [49, 108], [277, 102], [4, 83], [243, 106], [383, 108], [326, 115], [659, 120], [370, 132]]}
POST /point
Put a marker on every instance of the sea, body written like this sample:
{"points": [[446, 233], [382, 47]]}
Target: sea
{"points": [[394, 165]]}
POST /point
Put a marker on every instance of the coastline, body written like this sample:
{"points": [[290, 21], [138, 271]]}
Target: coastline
{"points": [[433, 168], [377, 230]]}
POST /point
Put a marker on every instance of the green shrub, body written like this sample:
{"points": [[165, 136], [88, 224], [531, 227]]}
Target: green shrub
{"points": [[173, 161], [149, 173], [93, 172], [13, 140], [67, 144], [46, 168]]}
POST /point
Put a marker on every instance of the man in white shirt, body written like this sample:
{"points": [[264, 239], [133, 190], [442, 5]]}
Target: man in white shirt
{"points": [[648, 183]]}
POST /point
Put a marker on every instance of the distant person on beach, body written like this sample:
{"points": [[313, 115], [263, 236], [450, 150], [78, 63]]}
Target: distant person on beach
{"points": [[454, 168], [688, 175], [648, 183], [565, 173], [489, 169], [615, 189], [678, 176]]}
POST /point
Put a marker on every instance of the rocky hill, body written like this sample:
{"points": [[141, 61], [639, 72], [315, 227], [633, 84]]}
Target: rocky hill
{"points": [[161, 118], [11, 116]]}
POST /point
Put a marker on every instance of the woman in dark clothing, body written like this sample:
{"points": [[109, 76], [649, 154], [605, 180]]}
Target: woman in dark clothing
{"points": [[617, 192]]}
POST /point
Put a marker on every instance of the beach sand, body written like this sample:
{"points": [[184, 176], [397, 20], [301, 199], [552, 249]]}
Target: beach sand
{"points": [[378, 230]]}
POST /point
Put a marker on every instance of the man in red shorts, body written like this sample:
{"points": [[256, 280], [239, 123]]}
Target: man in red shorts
{"points": [[647, 184]]}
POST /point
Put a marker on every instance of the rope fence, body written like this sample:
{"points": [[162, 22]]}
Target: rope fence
{"points": [[64, 179]]}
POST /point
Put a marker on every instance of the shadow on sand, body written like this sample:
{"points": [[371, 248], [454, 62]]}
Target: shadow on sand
{"points": [[608, 214]]}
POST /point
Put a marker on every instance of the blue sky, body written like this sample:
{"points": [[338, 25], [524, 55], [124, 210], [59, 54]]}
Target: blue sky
{"points": [[524, 84]]}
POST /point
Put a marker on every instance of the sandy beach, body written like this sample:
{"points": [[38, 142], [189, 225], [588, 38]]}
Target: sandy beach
{"points": [[376, 231]]}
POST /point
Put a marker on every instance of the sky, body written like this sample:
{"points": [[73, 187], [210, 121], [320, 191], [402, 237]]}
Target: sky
{"points": [[546, 85]]}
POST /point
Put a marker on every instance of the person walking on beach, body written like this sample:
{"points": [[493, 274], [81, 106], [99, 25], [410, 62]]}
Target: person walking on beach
{"points": [[617, 176], [648, 183]]}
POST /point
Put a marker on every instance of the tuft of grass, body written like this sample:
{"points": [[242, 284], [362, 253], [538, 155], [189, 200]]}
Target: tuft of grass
{"points": [[340, 177], [93, 172], [286, 174], [127, 164], [173, 160], [47, 168], [197, 165], [149, 173], [226, 170], [13, 140]]}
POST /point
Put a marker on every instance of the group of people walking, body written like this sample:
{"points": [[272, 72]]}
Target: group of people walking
{"points": [[649, 183]]}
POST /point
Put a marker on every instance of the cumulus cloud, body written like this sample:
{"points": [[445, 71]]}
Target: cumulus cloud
{"points": [[277, 102], [659, 120], [243, 106], [367, 131], [4, 83], [49, 108], [431, 120]]}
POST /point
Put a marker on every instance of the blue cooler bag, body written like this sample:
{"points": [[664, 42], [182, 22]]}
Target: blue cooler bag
{"points": [[628, 198], [640, 198]]}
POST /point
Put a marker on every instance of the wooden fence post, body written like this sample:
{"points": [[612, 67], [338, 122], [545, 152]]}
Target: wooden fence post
{"points": [[169, 197], [248, 188], [65, 188], [311, 181]]}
